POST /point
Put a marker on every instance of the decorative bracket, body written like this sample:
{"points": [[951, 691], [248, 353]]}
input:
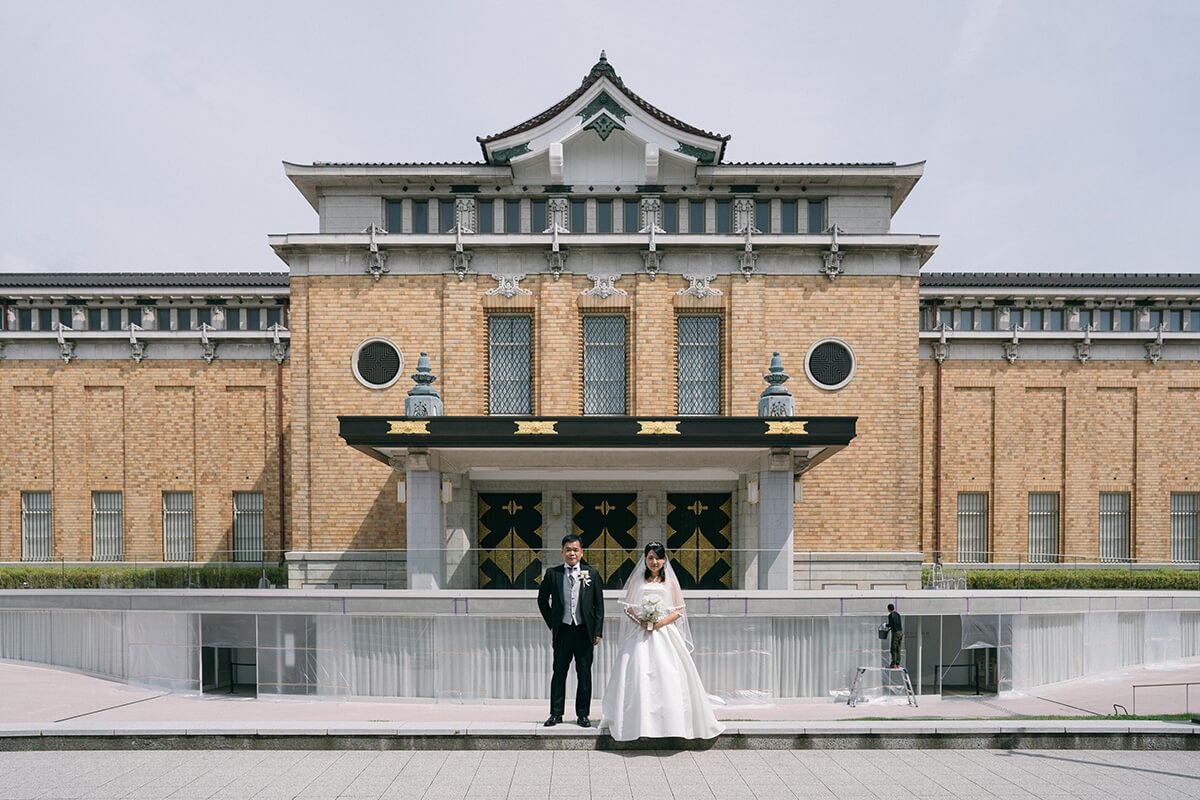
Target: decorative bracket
{"points": [[278, 348], [137, 348], [748, 259], [208, 348], [650, 256], [376, 258], [1013, 345], [66, 349], [509, 285], [698, 286], [603, 286], [833, 256], [460, 259], [940, 346], [556, 256], [1083, 350], [1154, 349]]}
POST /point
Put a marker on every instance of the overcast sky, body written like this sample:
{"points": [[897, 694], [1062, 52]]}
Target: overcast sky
{"points": [[1059, 136]]}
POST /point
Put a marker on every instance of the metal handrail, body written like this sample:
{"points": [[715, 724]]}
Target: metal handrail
{"points": [[1186, 693]]}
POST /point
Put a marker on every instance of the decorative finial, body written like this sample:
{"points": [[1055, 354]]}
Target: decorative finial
{"points": [[602, 56], [423, 400], [776, 400]]}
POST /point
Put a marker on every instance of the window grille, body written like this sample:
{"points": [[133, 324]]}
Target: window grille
{"points": [[510, 356], [106, 526], [1185, 525], [603, 364], [972, 527], [1114, 526], [177, 526], [699, 364], [247, 526], [37, 533], [1043, 527]]}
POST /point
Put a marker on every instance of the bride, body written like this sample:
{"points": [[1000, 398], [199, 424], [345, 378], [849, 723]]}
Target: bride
{"points": [[654, 689]]}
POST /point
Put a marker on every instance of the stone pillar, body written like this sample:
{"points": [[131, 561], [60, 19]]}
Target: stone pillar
{"points": [[776, 522], [423, 515]]}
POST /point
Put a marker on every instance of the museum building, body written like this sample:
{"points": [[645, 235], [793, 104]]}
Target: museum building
{"points": [[602, 327]]}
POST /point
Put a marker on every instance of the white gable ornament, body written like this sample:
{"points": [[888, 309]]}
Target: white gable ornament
{"points": [[698, 286], [508, 286], [602, 286]]}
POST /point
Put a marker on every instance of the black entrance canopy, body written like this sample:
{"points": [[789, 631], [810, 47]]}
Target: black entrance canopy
{"points": [[811, 438]]}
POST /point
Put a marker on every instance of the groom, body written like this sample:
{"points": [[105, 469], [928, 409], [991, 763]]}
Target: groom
{"points": [[571, 600]]}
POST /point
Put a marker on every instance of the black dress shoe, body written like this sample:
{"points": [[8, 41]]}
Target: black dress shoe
{"points": [[583, 722], [552, 721]]}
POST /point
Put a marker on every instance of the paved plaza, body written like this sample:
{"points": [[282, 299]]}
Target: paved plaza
{"points": [[773, 775]]}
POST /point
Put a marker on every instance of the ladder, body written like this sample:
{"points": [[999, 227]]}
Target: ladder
{"points": [[856, 686]]}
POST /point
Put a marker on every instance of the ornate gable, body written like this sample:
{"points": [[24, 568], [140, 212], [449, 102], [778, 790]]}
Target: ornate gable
{"points": [[603, 133]]}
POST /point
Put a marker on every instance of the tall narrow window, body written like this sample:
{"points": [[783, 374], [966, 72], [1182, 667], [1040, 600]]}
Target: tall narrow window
{"points": [[1125, 320], [816, 216], [1056, 319], [1106, 319], [1195, 321], [987, 319], [946, 317], [203, 316], [185, 319], [395, 222], [445, 216], [487, 219], [420, 216], [762, 215], [604, 222], [163, 322], [254, 319], [37, 532], [177, 526], [233, 319], [578, 216], [724, 217], [114, 319], [695, 216], [1176, 320], [1043, 527], [699, 364], [1114, 526], [788, 217], [510, 358], [671, 216], [539, 223], [603, 364], [631, 216], [1085, 318], [247, 526], [24, 319], [966, 319], [106, 526], [46, 319], [512, 216], [972, 527], [1036, 318], [1155, 318], [1185, 526], [95, 319], [1016, 319]]}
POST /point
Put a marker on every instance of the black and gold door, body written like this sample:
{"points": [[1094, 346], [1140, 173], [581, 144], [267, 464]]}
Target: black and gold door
{"points": [[607, 524], [510, 540], [699, 537]]}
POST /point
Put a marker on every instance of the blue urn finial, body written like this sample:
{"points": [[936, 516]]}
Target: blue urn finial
{"points": [[423, 400], [776, 400]]}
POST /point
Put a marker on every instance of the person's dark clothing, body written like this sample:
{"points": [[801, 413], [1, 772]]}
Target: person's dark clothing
{"points": [[893, 622], [572, 642]]}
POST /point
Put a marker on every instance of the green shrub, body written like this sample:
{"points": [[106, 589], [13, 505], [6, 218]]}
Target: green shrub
{"points": [[207, 576], [1163, 579]]}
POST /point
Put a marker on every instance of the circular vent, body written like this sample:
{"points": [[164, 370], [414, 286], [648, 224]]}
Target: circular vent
{"points": [[377, 363], [830, 364]]}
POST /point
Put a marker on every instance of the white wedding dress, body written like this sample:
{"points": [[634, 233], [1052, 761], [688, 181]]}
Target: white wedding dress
{"points": [[654, 689]]}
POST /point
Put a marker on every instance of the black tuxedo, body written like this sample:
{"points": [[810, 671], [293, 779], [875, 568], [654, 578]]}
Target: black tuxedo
{"points": [[572, 642]]}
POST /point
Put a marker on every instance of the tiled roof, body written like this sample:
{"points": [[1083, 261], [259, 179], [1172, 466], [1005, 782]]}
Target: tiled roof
{"points": [[118, 280], [1066, 280], [602, 69], [400, 164], [809, 164]]}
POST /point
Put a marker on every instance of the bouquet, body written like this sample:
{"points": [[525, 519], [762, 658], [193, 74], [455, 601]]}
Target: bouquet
{"points": [[648, 612]]}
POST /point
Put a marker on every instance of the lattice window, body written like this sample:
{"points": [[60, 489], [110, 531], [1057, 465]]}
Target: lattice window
{"points": [[1114, 526], [1043, 527], [37, 531], [510, 361], [972, 527], [177, 526], [1185, 526], [247, 526], [106, 526], [699, 338], [603, 364]]}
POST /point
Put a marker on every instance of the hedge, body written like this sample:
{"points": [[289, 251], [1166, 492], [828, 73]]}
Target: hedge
{"points": [[209, 576], [1157, 579]]}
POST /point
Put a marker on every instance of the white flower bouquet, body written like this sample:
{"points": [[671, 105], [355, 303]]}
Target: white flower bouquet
{"points": [[649, 611]]}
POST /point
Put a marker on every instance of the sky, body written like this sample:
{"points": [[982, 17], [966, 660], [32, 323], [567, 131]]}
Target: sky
{"points": [[1058, 136]]}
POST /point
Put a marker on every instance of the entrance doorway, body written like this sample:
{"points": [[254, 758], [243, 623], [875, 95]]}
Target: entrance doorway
{"points": [[699, 538], [607, 525], [510, 540]]}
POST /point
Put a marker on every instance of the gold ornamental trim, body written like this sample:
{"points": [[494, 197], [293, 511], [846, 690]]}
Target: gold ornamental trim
{"points": [[407, 426], [657, 426], [787, 427], [536, 426]]}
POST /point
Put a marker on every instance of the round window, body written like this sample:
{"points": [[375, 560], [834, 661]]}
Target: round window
{"points": [[830, 364], [377, 363]]}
